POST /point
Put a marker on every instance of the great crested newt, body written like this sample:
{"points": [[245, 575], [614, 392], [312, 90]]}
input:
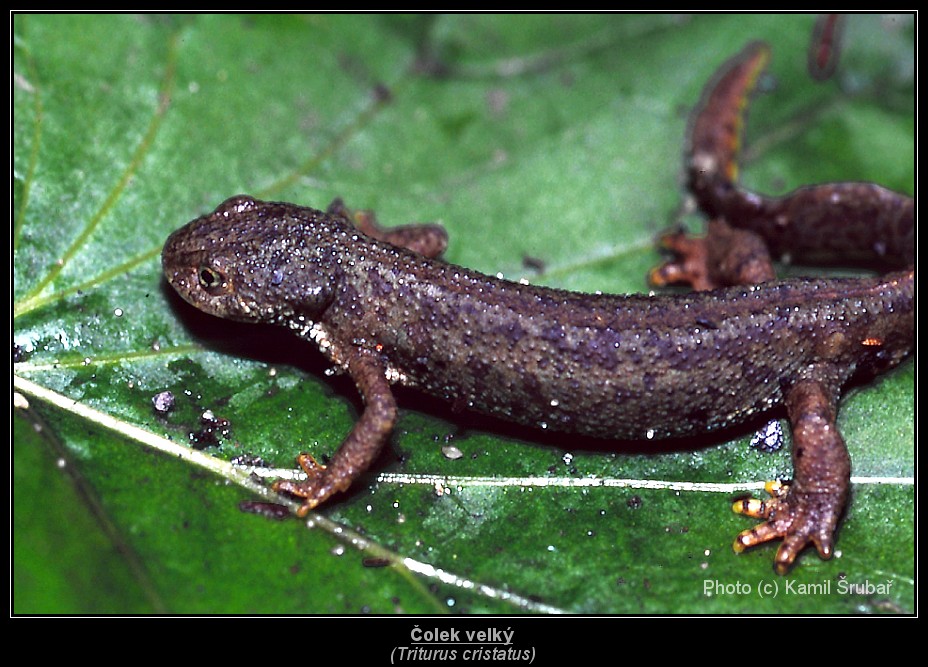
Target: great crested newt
{"points": [[382, 307]]}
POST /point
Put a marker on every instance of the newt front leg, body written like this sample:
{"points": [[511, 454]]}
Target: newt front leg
{"points": [[368, 371], [362, 445]]}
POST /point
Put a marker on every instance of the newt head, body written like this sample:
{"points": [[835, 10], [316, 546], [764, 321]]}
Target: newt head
{"points": [[253, 261]]}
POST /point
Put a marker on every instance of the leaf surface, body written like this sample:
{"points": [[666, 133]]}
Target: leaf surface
{"points": [[554, 138]]}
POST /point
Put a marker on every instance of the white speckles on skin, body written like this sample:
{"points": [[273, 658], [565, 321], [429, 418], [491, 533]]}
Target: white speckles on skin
{"points": [[317, 333], [395, 375]]}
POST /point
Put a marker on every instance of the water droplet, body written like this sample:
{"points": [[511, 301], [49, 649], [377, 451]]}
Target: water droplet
{"points": [[451, 452]]}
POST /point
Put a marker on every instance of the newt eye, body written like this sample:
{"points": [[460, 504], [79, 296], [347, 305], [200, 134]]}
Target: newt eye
{"points": [[211, 280]]}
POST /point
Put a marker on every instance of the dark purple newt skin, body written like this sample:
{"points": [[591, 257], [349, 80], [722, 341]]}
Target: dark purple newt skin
{"points": [[614, 367]]}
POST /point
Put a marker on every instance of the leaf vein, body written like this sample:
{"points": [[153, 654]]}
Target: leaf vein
{"points": [[164, 97]]}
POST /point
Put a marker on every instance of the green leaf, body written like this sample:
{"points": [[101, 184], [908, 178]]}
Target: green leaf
{"points": [[553, 137]]}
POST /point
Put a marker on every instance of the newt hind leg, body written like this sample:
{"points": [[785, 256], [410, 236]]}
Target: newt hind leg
{"points": [[806, 511], [798, 518]]}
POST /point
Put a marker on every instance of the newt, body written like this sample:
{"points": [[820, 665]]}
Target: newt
{"points": [[384, 308]]}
